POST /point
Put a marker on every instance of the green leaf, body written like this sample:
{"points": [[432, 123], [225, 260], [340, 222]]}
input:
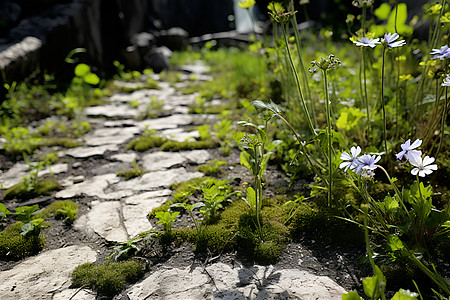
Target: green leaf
{"points": [[270, 106], [383, 11], [27, 228], [251, 198], [353, 295], [405, 295], [3, 211], [349, 118], [246, 161], [394, 243], [402, 16], [82, 69], [91, 78], [371, 286], [24, 213], [390, 204]]}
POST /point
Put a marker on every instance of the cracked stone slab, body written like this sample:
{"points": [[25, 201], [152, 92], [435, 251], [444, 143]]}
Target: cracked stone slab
{"points": [[160, 160], [196, 156], [124, 157], [104, 218], [153, 180], [169, 122], [180, 135], [110, 136], [96, 186], [44, 275], [55, 169], [111, 111], [85, 152], [14, 175], [118, 123], [221, 281], [137, 207], [20, 170], [75, 294]]}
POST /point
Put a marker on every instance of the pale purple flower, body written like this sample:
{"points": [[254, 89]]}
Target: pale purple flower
{"points": [[422, 167], [367, 163], [442, 53], [407, 149], [390, 40], [446, 81], [367, 42], [350, 160]]}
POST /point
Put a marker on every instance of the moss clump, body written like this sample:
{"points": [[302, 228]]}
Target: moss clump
{"points": [[133, 173], [180, 146], [216, 238], [65, 210], [63, 142], [144, 143], [14, 245], [20, 191], [130, 174], [107, 279], [182, 192], [128, 88], [316, 220], [212, 167]]}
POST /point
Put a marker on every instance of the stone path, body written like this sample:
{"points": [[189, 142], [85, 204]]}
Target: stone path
{"points": [[120, 207]]}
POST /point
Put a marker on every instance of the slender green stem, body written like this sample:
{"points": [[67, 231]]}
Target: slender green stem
{"points": [[297, 81], [382, 101], [397, 93], [365, 89], [441, 282], [302, 65], [395, 19], [363, 19], [329, 133], [443, 119], [312, 162]]}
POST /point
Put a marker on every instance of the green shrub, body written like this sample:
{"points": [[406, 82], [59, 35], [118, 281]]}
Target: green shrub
{"points": [[107, 279]]}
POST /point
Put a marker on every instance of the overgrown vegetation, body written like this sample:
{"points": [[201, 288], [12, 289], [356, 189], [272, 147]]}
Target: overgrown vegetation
{"points": [[361, 115]]}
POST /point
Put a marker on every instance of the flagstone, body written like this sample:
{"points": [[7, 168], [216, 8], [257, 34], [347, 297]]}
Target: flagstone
{"points": [[153, 180], [85, 152], [222, 281], [44, 275]]}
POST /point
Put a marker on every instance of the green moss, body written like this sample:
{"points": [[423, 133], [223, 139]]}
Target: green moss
{"points": [[212, 167], [20, 192], [132, 173], [65, 210], [144, 143], [180, 146], [14, 245], [321, 221], [216, 238], [107, 279], [63, 142]]}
